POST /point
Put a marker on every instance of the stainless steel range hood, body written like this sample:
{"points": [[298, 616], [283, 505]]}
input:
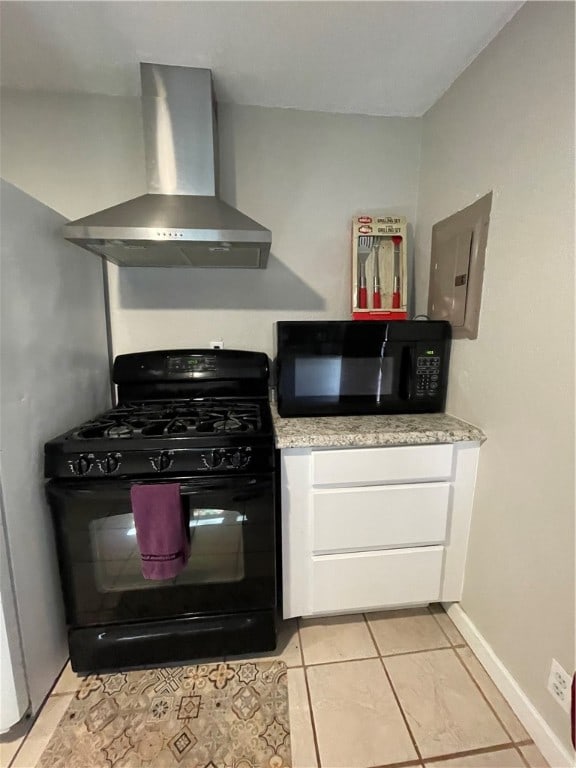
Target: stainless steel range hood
{"points": [[180, 222]]}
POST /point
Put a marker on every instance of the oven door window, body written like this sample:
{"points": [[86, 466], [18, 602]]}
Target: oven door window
{"points": [[216, 551], [232, 551]]}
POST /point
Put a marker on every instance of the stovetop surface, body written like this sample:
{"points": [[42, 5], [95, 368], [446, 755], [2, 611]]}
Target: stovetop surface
{"points": [[181, 412], [185, 436], [201, 417]]}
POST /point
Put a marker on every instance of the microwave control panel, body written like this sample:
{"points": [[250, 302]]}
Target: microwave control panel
{"points": [[428, 371]]}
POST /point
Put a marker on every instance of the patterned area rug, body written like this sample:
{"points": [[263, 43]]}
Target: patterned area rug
{"points": [[205, 716]]}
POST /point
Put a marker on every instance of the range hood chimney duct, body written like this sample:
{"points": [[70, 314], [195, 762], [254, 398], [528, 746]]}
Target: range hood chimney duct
{"points": [[181, 222]]}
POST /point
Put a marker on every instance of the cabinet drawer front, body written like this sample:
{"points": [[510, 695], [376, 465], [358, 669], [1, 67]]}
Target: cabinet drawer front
{"points": [[379, 517], [382, 465], [376, 579]]}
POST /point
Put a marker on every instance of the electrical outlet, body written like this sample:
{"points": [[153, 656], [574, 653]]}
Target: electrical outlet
{"points": [[218, 344], [559, 685]]}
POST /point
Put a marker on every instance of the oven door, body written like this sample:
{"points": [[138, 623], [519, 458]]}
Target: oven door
{"points": [[232, 551]]}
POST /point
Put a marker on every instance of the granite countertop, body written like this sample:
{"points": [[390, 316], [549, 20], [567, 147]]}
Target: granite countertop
{"points": [[371, 431]]}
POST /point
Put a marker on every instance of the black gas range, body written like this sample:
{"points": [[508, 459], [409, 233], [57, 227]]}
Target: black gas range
{"points": [[199, 418]]}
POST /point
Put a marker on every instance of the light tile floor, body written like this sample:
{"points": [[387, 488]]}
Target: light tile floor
{"points": [[394, 688]]}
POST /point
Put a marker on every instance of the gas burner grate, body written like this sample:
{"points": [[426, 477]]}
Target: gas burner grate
{"points": [[172, 418]]}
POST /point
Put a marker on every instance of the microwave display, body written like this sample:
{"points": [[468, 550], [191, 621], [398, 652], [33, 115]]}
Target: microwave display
{"points": [[339, 368]]}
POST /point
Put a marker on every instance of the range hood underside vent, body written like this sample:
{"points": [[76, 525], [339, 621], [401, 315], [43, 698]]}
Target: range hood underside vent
{"points": [[149, 253]]}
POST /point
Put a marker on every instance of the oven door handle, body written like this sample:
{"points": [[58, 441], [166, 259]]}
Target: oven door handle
{"points": [[188, 486], [236, 486]]}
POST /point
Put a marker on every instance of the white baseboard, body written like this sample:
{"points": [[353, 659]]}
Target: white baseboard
{"points": [[545, 739]]}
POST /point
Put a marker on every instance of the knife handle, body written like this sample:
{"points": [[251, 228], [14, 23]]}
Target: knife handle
{"points": [[377, 300], [396, 293]]}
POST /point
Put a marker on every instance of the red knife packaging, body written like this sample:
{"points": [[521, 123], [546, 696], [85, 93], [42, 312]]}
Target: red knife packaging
{"points": [[379, 267]]}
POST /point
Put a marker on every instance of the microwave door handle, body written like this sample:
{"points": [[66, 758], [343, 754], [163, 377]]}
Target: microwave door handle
{"points": [[406, 373]]}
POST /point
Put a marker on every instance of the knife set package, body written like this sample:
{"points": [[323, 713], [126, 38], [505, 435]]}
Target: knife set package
{"points": [[379, 269]]}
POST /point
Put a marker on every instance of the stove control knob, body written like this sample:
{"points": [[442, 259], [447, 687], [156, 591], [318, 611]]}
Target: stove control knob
{"points": [[162, 461], [82, 465], [110, 463], [239, 458], [212, 459]]}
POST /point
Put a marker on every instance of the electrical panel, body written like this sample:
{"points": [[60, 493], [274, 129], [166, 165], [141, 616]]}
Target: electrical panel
{"points": [[457, 268]]}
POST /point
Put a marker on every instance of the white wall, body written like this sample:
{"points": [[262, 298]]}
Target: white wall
{"points": [[507, 124], [301, 174], [54, 375], [77, 154]]}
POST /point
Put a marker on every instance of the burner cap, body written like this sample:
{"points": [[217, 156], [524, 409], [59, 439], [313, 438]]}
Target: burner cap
{"points": [[229, 424], [119, 430]]}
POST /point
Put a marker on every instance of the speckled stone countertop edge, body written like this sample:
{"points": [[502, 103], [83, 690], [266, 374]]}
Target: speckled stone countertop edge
{"points": [[479, 434], [372, 431]]}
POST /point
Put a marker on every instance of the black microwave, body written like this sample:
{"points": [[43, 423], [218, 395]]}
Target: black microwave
{"points": [[343, 368]]}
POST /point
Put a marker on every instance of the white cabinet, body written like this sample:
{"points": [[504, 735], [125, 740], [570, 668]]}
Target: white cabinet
{"points": [[370, 528]]}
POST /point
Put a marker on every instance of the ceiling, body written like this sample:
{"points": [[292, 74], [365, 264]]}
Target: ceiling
{"points": [[376, 58]]}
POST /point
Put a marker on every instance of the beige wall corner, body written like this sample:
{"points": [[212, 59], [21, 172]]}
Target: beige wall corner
{"points": [[507, 125]]}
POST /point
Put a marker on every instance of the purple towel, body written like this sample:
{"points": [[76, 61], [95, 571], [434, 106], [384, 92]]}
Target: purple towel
{"points": [[160, 529]]}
